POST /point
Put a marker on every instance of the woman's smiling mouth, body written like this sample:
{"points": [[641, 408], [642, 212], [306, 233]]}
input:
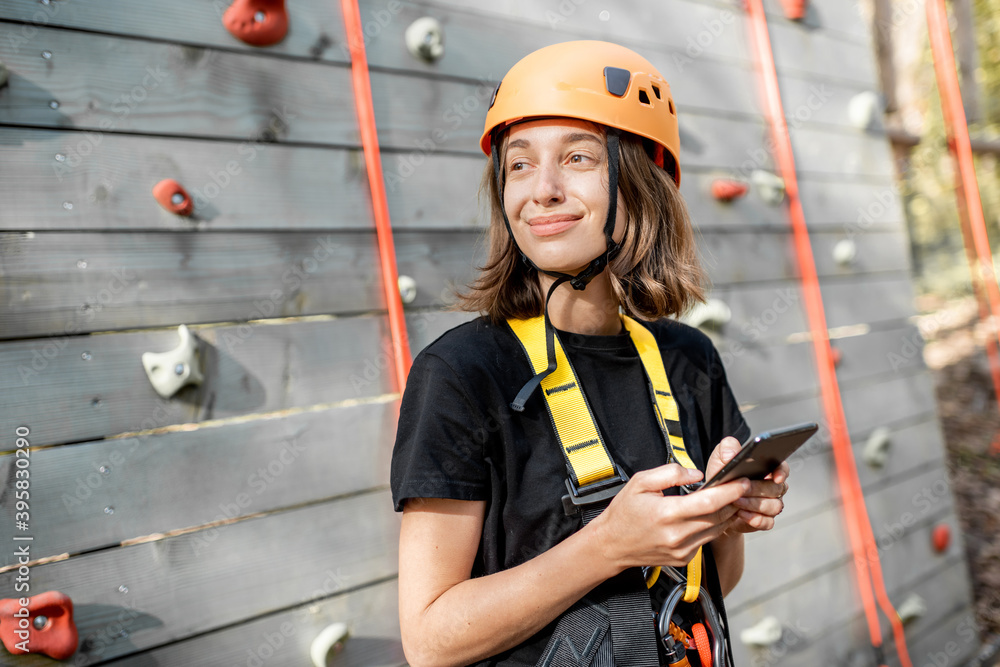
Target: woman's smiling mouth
{"points": [[550, 225]]}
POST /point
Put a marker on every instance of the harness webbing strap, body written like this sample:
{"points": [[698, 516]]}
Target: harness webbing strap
{"points": [[581, 442], [589, 461]]}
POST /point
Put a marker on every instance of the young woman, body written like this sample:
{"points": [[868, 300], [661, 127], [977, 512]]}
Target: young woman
{"points": [[498, 564]]}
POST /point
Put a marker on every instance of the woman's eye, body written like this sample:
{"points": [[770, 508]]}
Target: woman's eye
{"points": [[577, 158], [517, 166]]}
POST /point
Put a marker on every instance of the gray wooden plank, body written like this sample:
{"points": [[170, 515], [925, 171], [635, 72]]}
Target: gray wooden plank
{"points": [[759, 372], [807, 52], [813, 484], [821, 634], [819, 541], [855, 207], [246, 98], [651, 25], [69, 282], [146, 595], [868, 404], [310, 188], [808, 102], [283, 639], [867, 299], [168, 481], [103, 83], [773, 311], [77, 388], [956, 639], [265, 185], [316, 28], [842, 152]]}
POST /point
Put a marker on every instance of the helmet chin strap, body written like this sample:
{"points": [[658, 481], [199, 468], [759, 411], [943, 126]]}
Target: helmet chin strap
{"points": [[582, 279]]}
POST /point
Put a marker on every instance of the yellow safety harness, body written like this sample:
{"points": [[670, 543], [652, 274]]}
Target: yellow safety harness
{"points": [[593, 475]]}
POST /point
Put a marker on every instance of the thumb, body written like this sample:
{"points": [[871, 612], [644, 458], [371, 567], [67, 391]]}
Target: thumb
{"points": [[722, 454], [665, 477]]}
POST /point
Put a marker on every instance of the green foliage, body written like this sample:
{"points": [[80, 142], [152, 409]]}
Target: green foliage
{"points": [[929, 177]]}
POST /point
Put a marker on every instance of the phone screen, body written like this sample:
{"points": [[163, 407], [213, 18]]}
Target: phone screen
{"points": [[761, 455]]}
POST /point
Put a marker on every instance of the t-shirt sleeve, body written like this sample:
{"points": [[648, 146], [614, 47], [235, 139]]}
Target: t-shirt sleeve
{"points": [[437, 452]]}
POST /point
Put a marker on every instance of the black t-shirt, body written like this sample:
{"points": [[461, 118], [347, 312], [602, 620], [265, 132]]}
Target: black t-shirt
{"points": [[458, 438]]}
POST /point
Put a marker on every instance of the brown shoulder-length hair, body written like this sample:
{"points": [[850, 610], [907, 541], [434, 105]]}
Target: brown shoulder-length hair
{"points": [[656, 274]]}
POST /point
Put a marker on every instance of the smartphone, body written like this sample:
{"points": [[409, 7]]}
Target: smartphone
{"points": [[762, 455]]}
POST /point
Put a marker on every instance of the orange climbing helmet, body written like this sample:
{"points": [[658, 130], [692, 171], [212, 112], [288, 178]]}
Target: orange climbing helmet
{"points": [[590, 80]]}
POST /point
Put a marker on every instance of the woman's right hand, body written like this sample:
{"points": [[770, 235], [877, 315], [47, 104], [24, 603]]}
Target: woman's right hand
{"points": [[641, 526]]}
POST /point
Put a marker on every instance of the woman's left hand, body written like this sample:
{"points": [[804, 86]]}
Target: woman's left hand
{"points": [[763, 502]]}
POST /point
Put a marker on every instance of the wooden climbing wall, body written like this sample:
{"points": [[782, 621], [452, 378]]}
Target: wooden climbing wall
{"points": [[231, 523]]}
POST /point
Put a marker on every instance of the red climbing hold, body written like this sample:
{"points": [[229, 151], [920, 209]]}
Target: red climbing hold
{"points": [[54, 635], [837, 355], [794, 9], [257, 22], [726, 190], [173, 197], [940, 537]]}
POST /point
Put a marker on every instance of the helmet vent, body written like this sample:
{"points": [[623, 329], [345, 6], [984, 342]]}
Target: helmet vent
{"points": [[656, 91], [643, 97], [616, 80], [670, 103]]}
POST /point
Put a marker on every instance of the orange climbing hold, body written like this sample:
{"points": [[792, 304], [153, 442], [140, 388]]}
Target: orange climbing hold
{"points": [[726, 190], [40, 624], [257, 22], [173, 197], [794, 9], [941, 537]]}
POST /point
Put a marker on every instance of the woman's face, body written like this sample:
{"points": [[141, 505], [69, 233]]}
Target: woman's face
{"points": [[556, 193]]}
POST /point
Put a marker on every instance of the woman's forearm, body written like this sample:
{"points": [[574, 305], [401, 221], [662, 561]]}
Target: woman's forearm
{"points": [[728, 552], [485, 616]]}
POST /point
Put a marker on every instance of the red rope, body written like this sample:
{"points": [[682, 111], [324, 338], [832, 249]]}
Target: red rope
{"points": [[380, 204], [970, 206], [866, 560]]}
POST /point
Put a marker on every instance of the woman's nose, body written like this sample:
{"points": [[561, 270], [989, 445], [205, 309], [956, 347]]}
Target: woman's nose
{"points": [[548, 185]]}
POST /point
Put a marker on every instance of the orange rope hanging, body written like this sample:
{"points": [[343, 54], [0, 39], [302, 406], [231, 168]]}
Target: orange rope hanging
{"points": [[970, 206], [373, 162], [863, 545]]}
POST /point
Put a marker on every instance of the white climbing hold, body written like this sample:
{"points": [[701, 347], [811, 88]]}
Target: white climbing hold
{"points": [[845, 252], [407, 289], [425, 39], [765, 633], [169, 371], [713, 313], [770, 187], [863, 109], [329, 640], [911, 609], [877, 447]]}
